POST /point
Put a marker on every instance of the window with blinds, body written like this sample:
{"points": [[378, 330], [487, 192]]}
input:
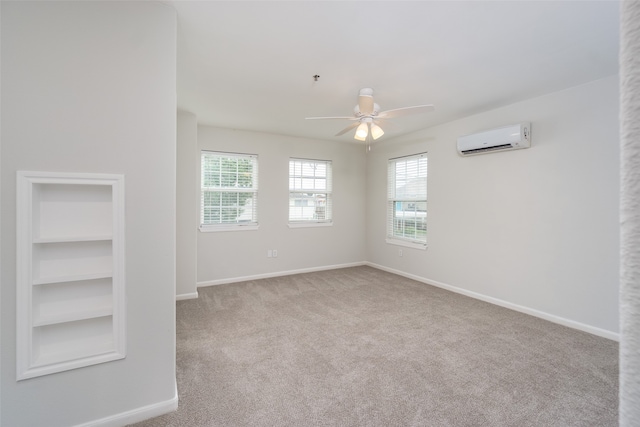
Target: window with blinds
{"points": [[407, 201], [229, 191], [310, 191]]}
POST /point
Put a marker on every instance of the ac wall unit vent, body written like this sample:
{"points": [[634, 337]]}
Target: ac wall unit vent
{"points": [[505, 138]]}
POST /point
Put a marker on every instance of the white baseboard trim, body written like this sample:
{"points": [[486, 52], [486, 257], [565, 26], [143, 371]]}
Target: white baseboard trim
{"points": [[541, 314], [277, 274], [136, 415], [192, 295]]}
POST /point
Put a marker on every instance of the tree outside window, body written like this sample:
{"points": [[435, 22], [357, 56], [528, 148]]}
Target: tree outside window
{"points": [[229, 190]]}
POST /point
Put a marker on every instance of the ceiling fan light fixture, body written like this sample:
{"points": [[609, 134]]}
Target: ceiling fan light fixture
{"points": [[367, 111], [361, 132], [376, 131]]}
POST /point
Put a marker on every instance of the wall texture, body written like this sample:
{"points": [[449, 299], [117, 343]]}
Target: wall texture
{"points": [[187, 205], [230, 255], [90, 87], [534, 229], [630, 215]]}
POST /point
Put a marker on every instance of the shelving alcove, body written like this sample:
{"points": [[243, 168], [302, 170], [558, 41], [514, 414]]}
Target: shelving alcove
{"points": [[70, 275]]}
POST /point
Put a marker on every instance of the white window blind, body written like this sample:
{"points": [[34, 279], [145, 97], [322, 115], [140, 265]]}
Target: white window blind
{"points": [[407, 200], [310, 189], [229, 190]]}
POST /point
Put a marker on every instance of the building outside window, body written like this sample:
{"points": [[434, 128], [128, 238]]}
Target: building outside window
{"points": [[310, 188]]}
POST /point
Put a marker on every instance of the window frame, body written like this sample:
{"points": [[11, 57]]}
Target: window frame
{"points": [[328, 192], [393, 199], [252, 224]]}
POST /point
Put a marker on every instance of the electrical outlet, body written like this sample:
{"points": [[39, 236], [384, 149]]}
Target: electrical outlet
{"points": [[399, 252], [269, 253], [275, 253]]}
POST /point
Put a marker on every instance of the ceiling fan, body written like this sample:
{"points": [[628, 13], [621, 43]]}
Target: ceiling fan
{"points": [[367, 116]]}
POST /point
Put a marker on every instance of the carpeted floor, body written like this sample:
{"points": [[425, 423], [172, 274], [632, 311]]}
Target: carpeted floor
{"points": [[362, 347]]}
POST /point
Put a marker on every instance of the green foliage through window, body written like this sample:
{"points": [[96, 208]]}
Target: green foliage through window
{"points": [[229, 188], [407, 199]]}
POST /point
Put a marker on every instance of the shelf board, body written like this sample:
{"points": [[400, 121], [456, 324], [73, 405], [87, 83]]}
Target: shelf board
{"points": [[72, 352], [60, 362], [73, 316], [73, 278], [71, 239]]}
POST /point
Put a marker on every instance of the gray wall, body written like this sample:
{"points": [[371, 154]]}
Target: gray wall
{"points": [[630, 215], [188, 204], [534, 229], [90, 87], [230, 255]]}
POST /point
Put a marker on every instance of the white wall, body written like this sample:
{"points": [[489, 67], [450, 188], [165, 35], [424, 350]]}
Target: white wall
{"points": [[90, 87], [536, 229], [0, 227], [187, 204], [225, 256], [630, 215]]}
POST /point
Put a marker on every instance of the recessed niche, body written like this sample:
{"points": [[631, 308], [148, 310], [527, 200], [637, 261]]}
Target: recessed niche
{"points": [[70, 271]]}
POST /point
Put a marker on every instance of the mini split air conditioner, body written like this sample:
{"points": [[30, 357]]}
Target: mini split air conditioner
{"points": [[502, 139]]}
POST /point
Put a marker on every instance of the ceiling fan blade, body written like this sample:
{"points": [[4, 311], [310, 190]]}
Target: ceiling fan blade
{"points": [[405, 111], [348, 128], [325, 118], [387, 124]]}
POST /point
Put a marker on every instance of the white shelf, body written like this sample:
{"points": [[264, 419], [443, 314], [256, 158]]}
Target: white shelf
{"points": [[70, 271], [71, 301], [72, 317], [61, 209], [72, 341], [75, 278], [69, 239], [72, 357], [52, 261]]}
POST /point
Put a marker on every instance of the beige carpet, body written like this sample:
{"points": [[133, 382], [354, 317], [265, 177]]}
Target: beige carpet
{"points": [[362, 347]]}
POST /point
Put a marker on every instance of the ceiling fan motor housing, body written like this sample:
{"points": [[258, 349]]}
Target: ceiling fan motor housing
{"points": [[367, 113], [358, 113]]}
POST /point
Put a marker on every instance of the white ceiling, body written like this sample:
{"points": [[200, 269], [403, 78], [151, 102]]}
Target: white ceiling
{"points": [[249, 65]]}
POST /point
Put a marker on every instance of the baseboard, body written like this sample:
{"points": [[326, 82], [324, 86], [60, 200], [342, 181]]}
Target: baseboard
{"points": [[192, 295], [136, 415], [541, 314], [277, 274]]}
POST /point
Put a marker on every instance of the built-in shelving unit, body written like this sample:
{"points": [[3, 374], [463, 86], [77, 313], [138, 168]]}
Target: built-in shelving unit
{"points": [[70, 271]]}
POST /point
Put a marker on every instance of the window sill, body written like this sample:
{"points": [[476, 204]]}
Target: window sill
{"points": [[310, 224], [406, 244], [227, 227]]}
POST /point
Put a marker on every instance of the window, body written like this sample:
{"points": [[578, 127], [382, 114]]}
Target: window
{"points": [[309, 192], [407, 201], [229, 191]]}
